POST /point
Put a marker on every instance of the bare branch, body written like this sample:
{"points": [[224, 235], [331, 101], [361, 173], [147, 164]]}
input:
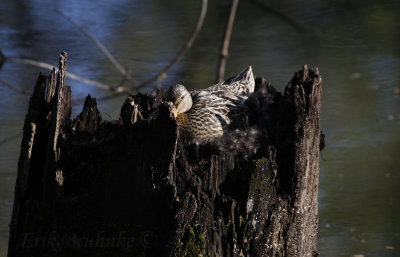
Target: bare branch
{"points": [[15, 88], [102, 48], [69, 74], [182, 52], [225, 43], [119, 90]]}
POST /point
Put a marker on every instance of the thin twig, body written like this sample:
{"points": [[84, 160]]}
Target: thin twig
{"points": [[119, 90], [182, 52], [74, 101], [102, 48], [10, 138], [69, 74], [15, 88], [225, 43], [291, 22]]}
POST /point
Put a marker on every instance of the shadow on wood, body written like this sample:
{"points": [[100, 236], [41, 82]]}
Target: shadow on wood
{"points": [[88, 187]]}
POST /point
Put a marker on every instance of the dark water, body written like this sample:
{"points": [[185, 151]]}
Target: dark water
{"points": [[354, 44]]}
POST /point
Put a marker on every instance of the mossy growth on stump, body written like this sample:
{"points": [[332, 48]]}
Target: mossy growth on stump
{"points": [[90, 187]]}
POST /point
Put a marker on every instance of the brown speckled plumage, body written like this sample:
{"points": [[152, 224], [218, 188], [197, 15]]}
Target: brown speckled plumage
{"points": [[208, 111]]}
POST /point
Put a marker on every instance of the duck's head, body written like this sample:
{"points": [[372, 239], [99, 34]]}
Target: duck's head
{"points": [[180, 97]]}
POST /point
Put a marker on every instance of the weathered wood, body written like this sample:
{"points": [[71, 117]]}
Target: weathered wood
{"points": [[89, 187], [49, 109]]}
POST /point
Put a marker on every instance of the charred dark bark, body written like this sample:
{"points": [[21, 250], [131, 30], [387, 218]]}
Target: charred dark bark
{"points": [[88, 187]]}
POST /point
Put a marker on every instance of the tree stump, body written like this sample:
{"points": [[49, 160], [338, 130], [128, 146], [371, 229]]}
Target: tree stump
{"points": [[88, 187]]}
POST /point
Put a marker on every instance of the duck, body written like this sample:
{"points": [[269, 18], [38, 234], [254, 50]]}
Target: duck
{"points": [[206, 113]]}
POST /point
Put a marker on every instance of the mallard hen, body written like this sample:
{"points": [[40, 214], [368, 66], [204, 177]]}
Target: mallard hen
{"points": [[205, 113]]}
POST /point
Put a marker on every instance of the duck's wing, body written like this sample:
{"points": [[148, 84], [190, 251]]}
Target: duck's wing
{"points": [[225, 99], [240, 85], [227, 105]]}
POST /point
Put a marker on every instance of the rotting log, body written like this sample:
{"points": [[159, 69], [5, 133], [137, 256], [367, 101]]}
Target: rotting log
{"points": [[90, 187]]}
